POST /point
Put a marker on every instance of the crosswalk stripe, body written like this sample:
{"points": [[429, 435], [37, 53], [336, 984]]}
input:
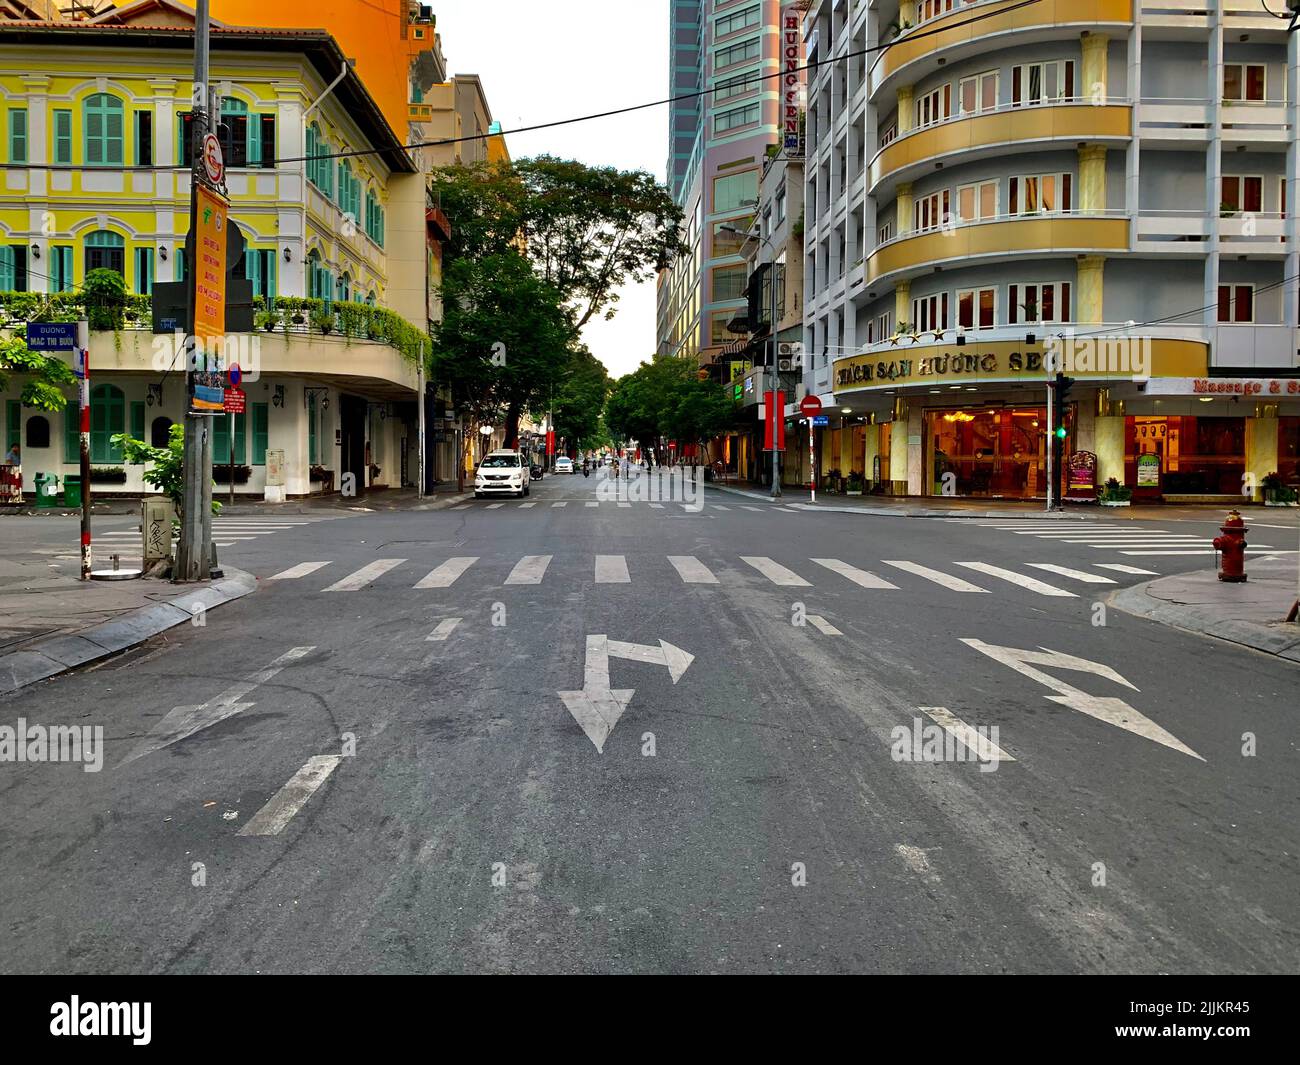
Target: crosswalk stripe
{"points": [[443, 630], [692, 570], [494, 506], [525, 506], [1032, 583], [625, 504], [955, 584], [612, 569], [1206, 550], [559, 504], [1100, 534], [824, 626], [445, 576], [1143, 543], [656, 506], [365, 575], [859, 577], [462, 506], [529, 570], [720, 506], [775, 572], [1075, 574], [1119, 567], [756, 510], [300, 570], [591, 503]]}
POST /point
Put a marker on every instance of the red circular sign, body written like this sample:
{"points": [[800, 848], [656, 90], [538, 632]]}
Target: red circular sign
{"points": [[810, 406], [213, 164]]}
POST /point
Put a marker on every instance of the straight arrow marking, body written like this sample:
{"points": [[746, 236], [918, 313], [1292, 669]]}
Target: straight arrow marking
{"points": [[183, 721]]}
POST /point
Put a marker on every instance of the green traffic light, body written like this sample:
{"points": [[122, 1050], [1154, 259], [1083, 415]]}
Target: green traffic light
{"points": [[1060, 432]]}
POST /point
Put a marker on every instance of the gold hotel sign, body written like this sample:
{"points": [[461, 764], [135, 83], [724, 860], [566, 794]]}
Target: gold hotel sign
{"points": [[1013, 362]]}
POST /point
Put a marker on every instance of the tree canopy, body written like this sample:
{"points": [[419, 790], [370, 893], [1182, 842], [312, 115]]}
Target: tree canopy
{"points": [[666, 398]]}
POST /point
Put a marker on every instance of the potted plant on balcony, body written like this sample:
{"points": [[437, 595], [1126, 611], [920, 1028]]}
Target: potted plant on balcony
{"points": [[1114, 494], [1276, 494], [323, 321], [854, 484], [108, 475]]}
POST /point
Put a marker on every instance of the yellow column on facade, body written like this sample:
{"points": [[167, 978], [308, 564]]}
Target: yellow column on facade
{"points": [[906, 108], [1108, 443], [903, 304], [1261, 451], [1089, 289], [1094, 85], [1092, 178], [903, 223]]}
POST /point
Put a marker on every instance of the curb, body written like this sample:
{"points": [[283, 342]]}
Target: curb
{"points": [[899, 512], [1266, 639], [51, 657]]}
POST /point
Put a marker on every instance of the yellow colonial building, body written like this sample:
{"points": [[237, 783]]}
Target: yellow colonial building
{"points": [[94, 117]]}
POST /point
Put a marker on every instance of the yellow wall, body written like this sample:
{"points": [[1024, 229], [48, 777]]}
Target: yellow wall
{"points": [[1261, 450], [1108, 443]]}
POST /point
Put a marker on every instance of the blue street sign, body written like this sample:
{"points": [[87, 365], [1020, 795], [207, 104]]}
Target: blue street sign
{"points": [[821, 419], [52, 336]]}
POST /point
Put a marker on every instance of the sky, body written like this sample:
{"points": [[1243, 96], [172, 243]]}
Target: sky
{"points": [[542, 62]]}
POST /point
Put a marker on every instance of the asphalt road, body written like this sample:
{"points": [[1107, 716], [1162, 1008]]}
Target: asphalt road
{"points": [[341, 792]]}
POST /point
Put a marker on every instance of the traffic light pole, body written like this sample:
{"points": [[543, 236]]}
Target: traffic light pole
{"points": [[193, 553], [1051, 445]]}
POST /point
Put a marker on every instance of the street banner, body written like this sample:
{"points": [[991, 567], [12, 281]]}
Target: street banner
{"points": [[209, 299], [773, 421]]}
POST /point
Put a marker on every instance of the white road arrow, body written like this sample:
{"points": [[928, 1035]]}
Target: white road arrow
{"points": [[1114, 711], [598, 707], [183, 721]]}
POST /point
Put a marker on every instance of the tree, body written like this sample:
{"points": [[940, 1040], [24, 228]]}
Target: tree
{"points": [[587, 230], [164, 466], [45, 375], [504, 336], [666, 398], [580, 399]]}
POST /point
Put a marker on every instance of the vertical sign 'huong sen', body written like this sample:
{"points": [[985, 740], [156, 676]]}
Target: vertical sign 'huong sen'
{"points": [[792, 82]]}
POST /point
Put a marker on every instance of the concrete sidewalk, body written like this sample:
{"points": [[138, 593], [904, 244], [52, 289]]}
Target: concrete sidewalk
{"points": [[381, 500], [1249, 614], [939, 507]]}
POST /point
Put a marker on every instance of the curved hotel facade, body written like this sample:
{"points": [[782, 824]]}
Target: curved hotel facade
{"points": [[995, 184]]}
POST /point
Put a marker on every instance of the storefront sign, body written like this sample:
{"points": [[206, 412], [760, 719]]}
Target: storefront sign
{"points": [[739, 368], [792, 80], [1226, 386], [1010, 361], [1148, 471]]}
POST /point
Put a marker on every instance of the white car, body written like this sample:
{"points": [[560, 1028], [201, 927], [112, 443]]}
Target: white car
{"points": [[502, 472], [564, 464]]}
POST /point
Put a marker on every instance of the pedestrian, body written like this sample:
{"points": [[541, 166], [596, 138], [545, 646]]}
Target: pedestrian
{"points": [[13, 458]]}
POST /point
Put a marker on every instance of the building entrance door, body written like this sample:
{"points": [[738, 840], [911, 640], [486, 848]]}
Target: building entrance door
{"points": [[352, 417]]}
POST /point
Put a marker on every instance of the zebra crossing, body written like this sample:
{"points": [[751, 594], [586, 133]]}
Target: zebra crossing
{"points": [[595, 504], [226, 532], [1045, 579], [1134, 539]]}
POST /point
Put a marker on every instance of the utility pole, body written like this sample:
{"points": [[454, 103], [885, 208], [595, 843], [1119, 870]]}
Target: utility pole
{"points": [[193, 553], [83, 426], [776, 381]]}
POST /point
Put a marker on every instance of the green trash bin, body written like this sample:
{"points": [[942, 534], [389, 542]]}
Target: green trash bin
{"points": [[72, 490], [47, 490]]}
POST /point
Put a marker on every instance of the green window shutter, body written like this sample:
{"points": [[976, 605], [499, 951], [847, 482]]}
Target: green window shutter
{"points": [[268, 273], [261, 431], [241, 439], [312, 454], [221, 440], [137, 421], [61, 268], [143, 271], [71, 433], [8, 275], [254, 135], [103, 117], [13, 424], [107, 418], [63, 137], [18, 135]]}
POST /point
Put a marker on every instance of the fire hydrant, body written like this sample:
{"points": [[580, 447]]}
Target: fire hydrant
{"points": [[1232, 546]]}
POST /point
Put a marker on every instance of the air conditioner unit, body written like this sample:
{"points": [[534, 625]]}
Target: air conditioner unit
{"points": [[790, 365], [789, 349]]}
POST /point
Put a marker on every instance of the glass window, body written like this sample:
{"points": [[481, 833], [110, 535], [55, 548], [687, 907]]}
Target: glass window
{"points": [[105, 250], [734, 191], [1236, 303], [729, 282], [1034, 304], [103, 130], [144, 138], [735, 86], [975, 308], [740, 20], [1244, 81], [737, 53], [737, 117]]}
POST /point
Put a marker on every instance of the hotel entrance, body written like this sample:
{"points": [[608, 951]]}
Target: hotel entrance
{"points": [[993, 452]]}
